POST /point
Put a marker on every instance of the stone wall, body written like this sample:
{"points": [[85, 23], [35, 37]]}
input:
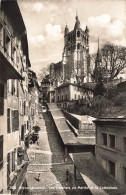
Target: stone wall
{"points": [[86, 129]]}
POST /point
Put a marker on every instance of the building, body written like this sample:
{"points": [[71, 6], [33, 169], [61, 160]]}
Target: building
{"points": [[68, 94], [45, 88], [13, 52], [33, 93], [111, 147], [75, 57]]}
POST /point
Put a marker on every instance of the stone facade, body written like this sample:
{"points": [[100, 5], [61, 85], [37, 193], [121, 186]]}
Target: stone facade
{"points": [[75, 54]]}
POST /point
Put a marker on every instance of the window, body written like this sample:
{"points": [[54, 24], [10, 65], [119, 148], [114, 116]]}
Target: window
{"points": [[22, 133], [1, 151], [78, 33], [112, 141], [75, 97], [8, 120], [111, 168], [1, 99], [66, 96], [78, 97], [13, 160], [104, 139], [8, 169], [124, 175], [15, 120], [124, 144]]}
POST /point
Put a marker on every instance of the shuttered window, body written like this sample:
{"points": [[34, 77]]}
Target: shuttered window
{"points": [[1, 151], [13, 160], [15, 120], [8, 120], [8, 169], [1, 99]]}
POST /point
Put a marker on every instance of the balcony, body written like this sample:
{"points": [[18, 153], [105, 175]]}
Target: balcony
{"points": [[18, 177], [8, 68]]}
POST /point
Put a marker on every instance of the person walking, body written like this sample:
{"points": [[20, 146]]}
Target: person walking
{"points": [[67, 175]]}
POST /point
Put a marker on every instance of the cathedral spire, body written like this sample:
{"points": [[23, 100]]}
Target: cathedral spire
{"points": [[98, 57], [77, 23], [66, 31]]}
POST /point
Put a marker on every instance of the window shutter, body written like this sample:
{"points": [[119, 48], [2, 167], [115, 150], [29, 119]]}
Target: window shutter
{"points": [[16, 119], [13, 160], [13, 120], [17, 89], [8, 169], [10, 162], [8, 120], [1, 151]]}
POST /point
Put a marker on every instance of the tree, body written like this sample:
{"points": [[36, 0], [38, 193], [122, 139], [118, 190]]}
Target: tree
{"points": [[107, 63], [101, 106], [43, 72], [36, 129], [113, 59], [99, 89]]}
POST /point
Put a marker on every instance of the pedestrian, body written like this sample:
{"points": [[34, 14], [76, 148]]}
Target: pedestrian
{"points": [[67, 175], [39, 177]]}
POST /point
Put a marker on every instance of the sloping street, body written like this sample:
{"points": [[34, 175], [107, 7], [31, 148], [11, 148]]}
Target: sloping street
{"points": [[47, 159]]}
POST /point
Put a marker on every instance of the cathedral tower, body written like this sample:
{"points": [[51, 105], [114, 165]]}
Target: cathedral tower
{"points": [[76, 53]]}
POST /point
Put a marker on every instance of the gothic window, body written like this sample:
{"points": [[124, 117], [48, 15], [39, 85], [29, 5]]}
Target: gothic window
{"points": [[69, 38], [78, 33], [78, 46]]}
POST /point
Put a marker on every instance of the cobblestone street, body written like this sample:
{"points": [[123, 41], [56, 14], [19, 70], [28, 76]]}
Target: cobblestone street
{"points": [[47, 159]]}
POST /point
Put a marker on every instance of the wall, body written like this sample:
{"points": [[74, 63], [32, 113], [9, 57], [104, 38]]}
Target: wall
{"points": [[3, 131], [116, 154]]}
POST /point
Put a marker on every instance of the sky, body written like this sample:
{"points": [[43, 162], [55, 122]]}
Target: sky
{"points": [[45, 21]]}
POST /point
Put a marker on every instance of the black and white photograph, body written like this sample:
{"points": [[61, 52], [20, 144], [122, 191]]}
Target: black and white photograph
{"points": [[63, 97]]}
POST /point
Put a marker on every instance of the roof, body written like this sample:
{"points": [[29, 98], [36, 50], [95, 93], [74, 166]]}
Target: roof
{"points": [[113, 121], [73, 84], [67, 136], [94, 174], [90, 86], [84, 118], [12, 11]]}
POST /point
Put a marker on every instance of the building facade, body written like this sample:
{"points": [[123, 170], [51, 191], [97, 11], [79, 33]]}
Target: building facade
{"points": [[111, 147], [33, 93], [68, 94], [13, 60]]}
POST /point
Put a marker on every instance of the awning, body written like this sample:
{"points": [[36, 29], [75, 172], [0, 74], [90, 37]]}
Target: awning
{"points": [[95, 176]]}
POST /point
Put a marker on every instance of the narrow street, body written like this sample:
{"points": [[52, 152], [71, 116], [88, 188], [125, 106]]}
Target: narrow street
{"points": [[47, 159]]}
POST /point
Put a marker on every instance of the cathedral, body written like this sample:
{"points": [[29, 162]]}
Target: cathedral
{"points": [[75, 57], [68, 76]]}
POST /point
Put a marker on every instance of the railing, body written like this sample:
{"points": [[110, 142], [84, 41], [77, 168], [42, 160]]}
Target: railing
{"points": [[18, 179]]}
